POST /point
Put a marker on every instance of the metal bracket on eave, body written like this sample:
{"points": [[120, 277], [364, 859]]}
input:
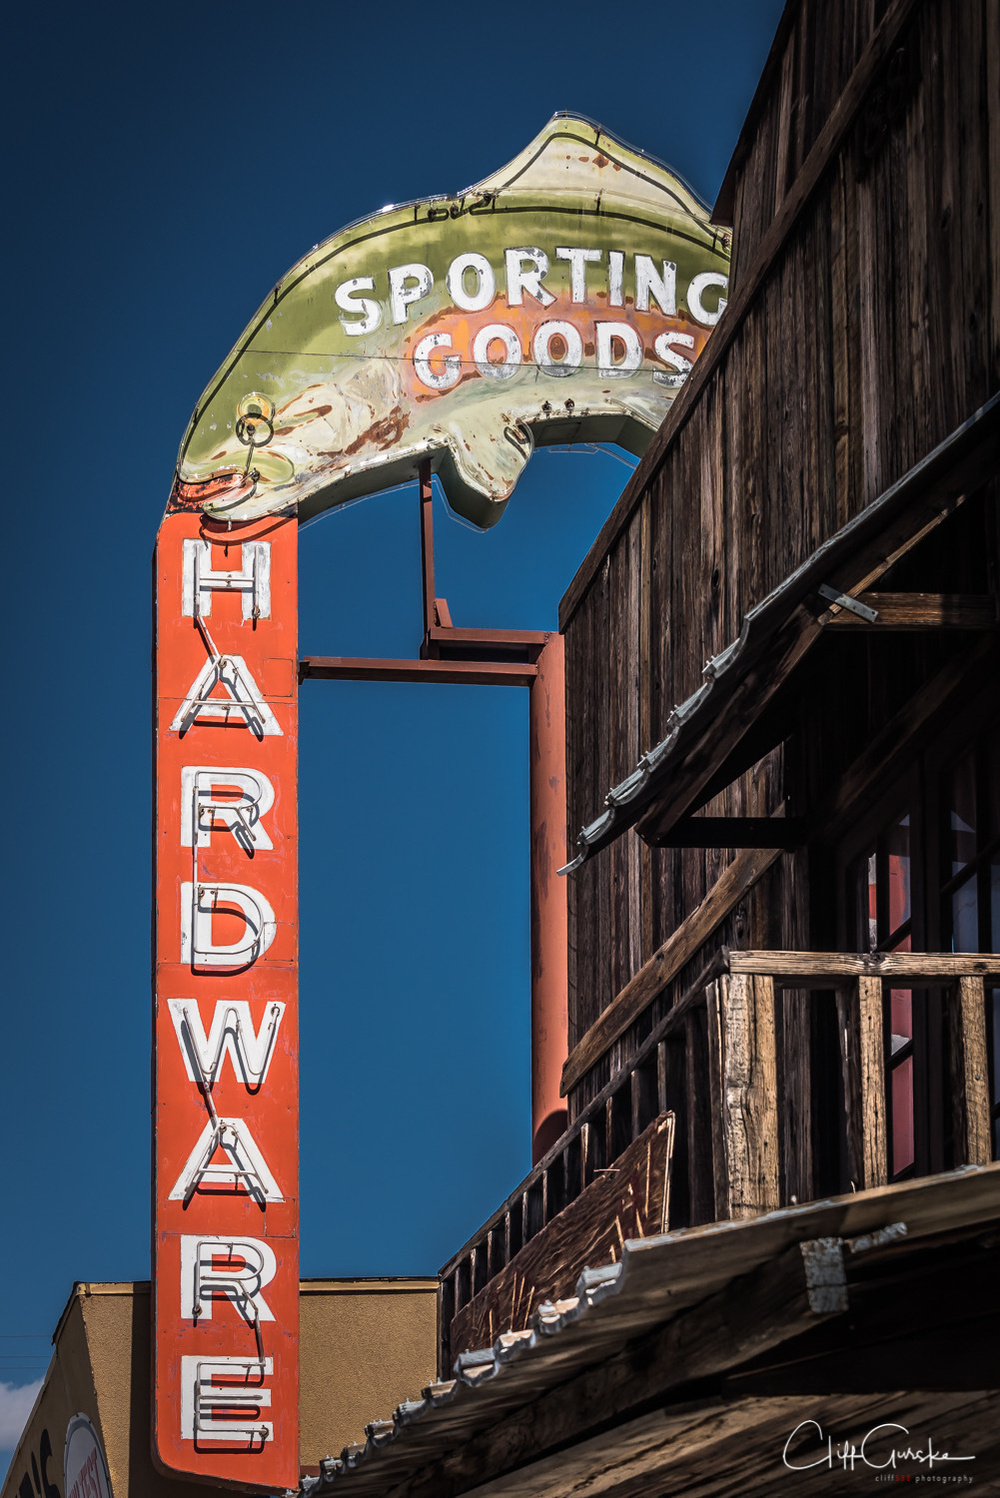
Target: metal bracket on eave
{"points": [[845, 601], [826, 1282], [823, 1260]]}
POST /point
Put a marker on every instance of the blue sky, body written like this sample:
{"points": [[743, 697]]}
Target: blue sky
{"points": [[164, 167]]}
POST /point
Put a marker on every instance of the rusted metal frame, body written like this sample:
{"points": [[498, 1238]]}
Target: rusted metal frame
{"points": [[542, 670], [548, 894], [475, 673], [442, 634], [427, 554]]}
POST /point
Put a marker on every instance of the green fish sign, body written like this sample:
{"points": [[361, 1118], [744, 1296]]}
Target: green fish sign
{"points": [[565, 298]]}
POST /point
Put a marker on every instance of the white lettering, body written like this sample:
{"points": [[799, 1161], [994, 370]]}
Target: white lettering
{"points": [[246, 795], [486, 286], [520, 280], [442, 379], [663, 286], [696, 306], [401, 295], [497, 332], [199, 902], [233, 1269], [222, 1387], [252, 580], [541, 348], [610, 334], [682, 367], [577, 268], [243, 1170], [233, 1033], [346, 298], [616, 273], [231, 673]]}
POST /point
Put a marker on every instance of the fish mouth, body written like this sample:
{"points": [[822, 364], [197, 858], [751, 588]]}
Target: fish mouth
{"points": [[233, 487]]}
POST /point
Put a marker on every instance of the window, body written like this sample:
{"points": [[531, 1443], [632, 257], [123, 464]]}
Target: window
{"points": [[884, 921], [924, 876]]}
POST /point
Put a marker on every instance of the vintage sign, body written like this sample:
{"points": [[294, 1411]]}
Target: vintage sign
{"points": [[226, 1274], [563, 298], [85, 1471]]}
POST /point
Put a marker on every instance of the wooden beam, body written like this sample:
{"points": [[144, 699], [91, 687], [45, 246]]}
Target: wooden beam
{"points": [[749, 1094], [732, 832], [774, 663], [631, 1200], [873, 1090], [820, 157], [829, 969], [667, 961], [751, 1316], [970, 1072], [919, 611], [474, 673]]}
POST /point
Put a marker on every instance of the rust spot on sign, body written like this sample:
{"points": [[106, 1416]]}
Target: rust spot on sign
{"points": [[191, 495]]}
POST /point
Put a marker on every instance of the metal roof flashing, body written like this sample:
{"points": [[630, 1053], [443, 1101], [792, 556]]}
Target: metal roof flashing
{"points": [[941, 473]]}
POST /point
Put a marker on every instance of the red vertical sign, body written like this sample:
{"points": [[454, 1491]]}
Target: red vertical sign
{"points": [[226, 1271]]}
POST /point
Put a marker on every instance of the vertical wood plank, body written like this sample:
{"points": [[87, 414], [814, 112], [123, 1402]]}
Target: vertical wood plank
{"points": [[661, 1077], [699, 1111], [970, 1073], [715, 1010], [750, 1085], [872, 1079], [992, 51]]}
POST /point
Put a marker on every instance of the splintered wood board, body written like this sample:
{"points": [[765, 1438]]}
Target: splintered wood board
{"points": [[630, 1200]]}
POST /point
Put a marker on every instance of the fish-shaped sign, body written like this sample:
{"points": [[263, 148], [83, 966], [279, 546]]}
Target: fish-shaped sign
{"points": [[564, 298]]}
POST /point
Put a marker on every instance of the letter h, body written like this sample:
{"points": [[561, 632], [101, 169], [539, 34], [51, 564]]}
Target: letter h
{"points": [[252, 579]]}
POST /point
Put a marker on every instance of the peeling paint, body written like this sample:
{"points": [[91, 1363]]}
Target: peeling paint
{"points": [[388, 349]]}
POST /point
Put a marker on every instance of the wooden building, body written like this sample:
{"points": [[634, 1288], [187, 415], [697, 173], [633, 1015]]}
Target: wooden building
{"points": [[783, 747], [763, 1254]]}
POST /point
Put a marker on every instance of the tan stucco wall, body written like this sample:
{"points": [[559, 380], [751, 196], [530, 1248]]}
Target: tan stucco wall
{"points": [[366, 1346]]}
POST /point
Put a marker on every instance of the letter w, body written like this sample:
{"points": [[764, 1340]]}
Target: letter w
{"points": [[250, 1049]]}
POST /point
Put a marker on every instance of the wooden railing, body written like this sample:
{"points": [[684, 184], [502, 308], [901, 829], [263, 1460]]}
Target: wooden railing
{"points": [[745, 1102], [712, 1062]]}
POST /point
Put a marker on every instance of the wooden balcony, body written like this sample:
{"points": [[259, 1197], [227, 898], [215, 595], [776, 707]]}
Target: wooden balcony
{"points": [[710, 1069]]}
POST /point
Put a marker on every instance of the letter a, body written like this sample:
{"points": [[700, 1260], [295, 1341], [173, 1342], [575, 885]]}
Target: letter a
{"points": [[243, 1170], [245, 699]]}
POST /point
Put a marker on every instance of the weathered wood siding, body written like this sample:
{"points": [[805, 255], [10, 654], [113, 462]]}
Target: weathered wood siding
{"points": [[874, 332]]}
